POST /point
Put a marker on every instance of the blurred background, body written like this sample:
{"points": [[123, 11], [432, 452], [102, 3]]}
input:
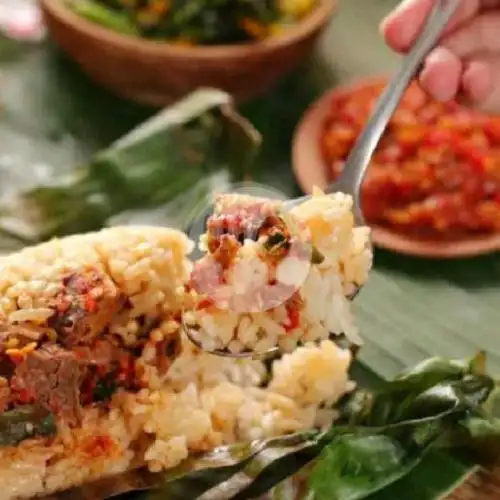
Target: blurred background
{"points": [[46, 95]]}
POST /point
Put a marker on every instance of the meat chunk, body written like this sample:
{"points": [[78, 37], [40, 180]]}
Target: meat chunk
{"points": [[51, 377], [85, 306], [167, 352]]}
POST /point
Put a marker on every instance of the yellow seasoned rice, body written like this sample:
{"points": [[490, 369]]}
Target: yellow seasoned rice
{"points": [[203, 404], [148, 264], [203, 401]]}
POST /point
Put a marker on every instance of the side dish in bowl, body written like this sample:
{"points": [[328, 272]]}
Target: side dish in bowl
{"points": [[432, 188], [194, 51], [198, 22]]}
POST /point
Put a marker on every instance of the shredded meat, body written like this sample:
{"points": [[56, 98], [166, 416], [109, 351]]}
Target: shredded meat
{"points": [[71, 361], [241, 217], [51, 376], [85, 306], [102, 353], [7, 367], [226, 251], [167, 352], [5, 398]]}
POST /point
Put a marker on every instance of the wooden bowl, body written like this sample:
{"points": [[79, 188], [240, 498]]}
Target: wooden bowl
{"points": [[310, 170], [157, 73]]}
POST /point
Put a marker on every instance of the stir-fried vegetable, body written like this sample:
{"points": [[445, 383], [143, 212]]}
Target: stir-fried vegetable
{"points": [[197, 22]]}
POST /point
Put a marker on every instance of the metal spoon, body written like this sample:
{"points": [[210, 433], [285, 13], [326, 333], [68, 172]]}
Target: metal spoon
{"points": [[359, 158]]}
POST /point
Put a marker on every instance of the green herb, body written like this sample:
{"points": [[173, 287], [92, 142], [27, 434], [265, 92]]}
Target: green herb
{"points": [[23, 423], [103, 15], [104, 389], [274, 242], [316, 256]]}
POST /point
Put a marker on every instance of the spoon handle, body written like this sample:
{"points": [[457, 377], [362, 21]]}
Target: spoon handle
{"points": [[360, 156]]}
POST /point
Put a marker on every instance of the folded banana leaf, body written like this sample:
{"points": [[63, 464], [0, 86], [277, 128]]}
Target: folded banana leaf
{"points": [[379, 441], [177, 157]]}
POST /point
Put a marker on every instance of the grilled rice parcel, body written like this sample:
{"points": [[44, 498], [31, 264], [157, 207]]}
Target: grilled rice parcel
{"points": [[98, 377]]}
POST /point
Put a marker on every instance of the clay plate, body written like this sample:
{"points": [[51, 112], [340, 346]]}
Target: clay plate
{"points": [[310, 171]]}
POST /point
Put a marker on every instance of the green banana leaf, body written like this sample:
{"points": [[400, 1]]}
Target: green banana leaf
{"points": [[170, 163]]}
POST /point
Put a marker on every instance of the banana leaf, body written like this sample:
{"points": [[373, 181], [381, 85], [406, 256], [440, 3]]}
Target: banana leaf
{"points": [[177, 157], [378, 443]]}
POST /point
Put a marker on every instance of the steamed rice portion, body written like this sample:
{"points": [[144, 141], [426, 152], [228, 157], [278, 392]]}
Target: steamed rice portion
{"points": [[209, 401], [303, 297]]}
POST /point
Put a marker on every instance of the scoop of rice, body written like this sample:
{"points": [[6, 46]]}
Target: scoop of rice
{"points": [[255, 306]]}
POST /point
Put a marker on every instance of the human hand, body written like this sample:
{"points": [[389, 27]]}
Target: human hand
{"points": [[466, 63]]}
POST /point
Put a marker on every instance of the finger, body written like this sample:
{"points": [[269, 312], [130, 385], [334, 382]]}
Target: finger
{"points": [[481, 34], [478, 84], [477, 81], [441, 75], [401, 28]]}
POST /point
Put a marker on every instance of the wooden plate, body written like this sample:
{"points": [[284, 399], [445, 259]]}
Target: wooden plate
{"points": [[310, 170]]}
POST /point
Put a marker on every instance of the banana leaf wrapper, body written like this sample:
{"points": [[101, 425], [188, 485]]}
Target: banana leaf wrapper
{"points": [[169, 163], [383, 436]]}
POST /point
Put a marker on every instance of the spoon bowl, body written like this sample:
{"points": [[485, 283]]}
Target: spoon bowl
{"points": [[191, 334], [195, 228]]}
